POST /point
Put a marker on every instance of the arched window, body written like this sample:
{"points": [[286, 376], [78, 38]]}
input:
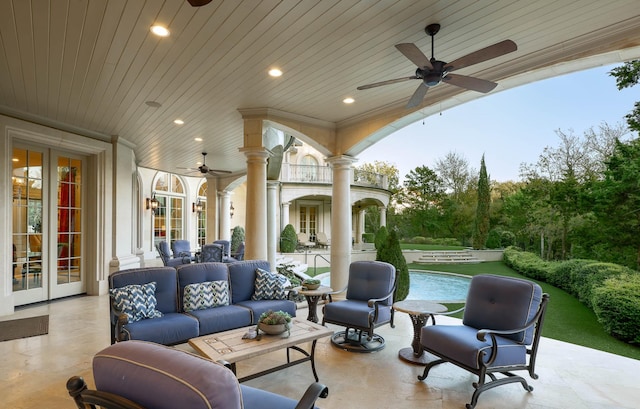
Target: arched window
{"points": [[168, 222], [309, 168], [201, 218]]}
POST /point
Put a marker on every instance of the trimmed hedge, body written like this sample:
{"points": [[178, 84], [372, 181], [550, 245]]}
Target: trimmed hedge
{"points": [[611, 290], [617, 306]]}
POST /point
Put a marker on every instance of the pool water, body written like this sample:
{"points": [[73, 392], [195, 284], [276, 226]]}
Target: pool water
{"points": [[431, 286], [437, 286]]}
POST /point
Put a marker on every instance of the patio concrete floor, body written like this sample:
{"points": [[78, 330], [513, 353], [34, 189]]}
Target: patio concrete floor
{"points": [[34, 370]]}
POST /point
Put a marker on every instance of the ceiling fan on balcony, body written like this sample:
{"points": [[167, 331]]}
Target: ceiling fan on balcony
{"points": [[204, 169], [432, 72]]}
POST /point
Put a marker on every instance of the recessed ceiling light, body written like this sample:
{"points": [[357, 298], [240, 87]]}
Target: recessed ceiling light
{"points": [[197, 139], [349, 100], [160, 31], [275, 72], [178, 122]]}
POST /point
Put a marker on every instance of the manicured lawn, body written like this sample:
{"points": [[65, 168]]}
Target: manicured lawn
{"points": [[567, 319]]}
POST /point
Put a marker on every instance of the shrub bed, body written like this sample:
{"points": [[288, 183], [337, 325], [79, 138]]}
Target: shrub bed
{"points": [[611, 290]]}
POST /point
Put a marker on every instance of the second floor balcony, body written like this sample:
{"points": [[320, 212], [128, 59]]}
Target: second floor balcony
{"points": [[323, 174]]}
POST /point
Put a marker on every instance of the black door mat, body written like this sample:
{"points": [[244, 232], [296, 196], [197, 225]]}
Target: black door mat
{"points": [[24, 327]]}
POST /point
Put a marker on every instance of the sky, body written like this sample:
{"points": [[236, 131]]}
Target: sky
{"points": [[509, 127]]}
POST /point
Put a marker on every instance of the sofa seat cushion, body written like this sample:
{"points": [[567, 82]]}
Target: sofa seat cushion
{"points": [[223, 318], [155, 376], [171, 328], [459, 343], [253, 398], [354, 312], [268, 286], [208, 294], [262, 306], [136, 301]]}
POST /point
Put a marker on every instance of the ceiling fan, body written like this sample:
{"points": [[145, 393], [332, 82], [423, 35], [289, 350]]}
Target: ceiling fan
{"points": [[204, 169], [432, 72]]}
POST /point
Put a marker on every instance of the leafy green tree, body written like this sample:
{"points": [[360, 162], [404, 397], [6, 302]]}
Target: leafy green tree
{"points": [[617, 198], [628, 75], [392, 254], [483, 210], [421, 199]]}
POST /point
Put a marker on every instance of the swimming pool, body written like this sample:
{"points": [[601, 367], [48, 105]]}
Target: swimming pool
{"points": [[430, 285]]}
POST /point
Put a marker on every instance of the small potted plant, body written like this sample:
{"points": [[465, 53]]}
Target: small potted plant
{"points": [[311, 284], [274, 323]]}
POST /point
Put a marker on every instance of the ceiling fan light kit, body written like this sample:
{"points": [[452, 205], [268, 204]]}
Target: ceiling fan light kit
{"points": [[432, 72]]}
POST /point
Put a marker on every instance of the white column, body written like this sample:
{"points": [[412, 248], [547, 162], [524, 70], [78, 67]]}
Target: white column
{"points": [[340, 220], [383, 216], [284, 216], [361, 228], [256, 217], [272, 221], [225, 215]]}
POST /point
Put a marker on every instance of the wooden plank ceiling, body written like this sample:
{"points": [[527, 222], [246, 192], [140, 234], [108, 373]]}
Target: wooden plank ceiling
{"points": [[93, 65]]}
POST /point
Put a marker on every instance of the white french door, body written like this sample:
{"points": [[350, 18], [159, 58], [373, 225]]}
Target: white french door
{"points": [[47, 224]]}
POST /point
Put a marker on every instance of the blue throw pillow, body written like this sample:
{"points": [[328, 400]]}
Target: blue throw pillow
{"points": [[138, 302], [208, 294], [268, 286]]}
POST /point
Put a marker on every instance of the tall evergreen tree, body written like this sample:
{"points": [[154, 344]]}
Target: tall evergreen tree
{"points": [[482, 211], [392, 254]]}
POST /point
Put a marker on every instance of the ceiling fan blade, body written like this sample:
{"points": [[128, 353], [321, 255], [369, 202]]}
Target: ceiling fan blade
{"points": [[387, 82], [418, 95], [414, 54], [487, 53], [219, 171], [198, 3], [472, 83]]}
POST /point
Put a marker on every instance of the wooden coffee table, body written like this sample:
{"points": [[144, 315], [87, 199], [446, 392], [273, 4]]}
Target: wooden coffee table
{"points": [[228, 347]]}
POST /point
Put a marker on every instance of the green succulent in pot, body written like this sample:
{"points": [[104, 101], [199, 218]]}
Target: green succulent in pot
{"points": [[274, 323], [311, 283]]}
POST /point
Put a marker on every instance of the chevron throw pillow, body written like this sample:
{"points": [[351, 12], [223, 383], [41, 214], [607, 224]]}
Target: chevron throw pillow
{"points": [[268, 286], [138, 302], [208, 294]]}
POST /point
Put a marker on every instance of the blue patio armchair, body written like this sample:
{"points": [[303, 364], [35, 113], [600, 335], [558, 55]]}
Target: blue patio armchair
{"points": [[139, 375], [211, 253], [367, 306], [499, 334], [182, 249], [165, 255]]}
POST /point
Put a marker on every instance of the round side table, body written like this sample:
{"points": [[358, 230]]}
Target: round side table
{"points": [[419, 311], [313, 296]]}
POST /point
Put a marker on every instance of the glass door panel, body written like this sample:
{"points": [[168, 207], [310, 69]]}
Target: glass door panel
{"points": [[28, 225], [69, 227]]}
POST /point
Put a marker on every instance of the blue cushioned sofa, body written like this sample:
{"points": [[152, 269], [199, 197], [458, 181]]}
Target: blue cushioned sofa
{"points": [[176, 325]]}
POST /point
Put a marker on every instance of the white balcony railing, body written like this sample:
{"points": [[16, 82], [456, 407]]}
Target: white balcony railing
{"points": [[322, 174]]}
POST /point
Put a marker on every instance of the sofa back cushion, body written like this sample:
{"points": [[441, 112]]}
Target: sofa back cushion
{"points": [[242, 276], [155, 376], [166, 284], [502, 303]]}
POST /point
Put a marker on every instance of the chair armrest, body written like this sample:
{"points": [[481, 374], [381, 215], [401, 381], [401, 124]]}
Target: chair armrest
{"points": [[328, 295], [84, 398], [120, 323], [375, 301], [314, 391]]}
